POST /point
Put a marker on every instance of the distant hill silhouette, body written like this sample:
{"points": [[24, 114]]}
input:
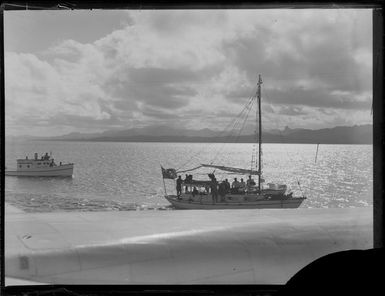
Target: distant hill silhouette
{"points": [[358, 134]]}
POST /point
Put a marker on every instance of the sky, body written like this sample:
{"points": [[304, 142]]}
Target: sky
{"points": [[91, 71]]}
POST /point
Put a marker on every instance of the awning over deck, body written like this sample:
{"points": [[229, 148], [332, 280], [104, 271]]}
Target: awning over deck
{"points": [[223, 168], [231, 169]]}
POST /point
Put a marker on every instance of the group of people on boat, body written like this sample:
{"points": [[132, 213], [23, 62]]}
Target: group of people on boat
{"points": [[241, 186], [44, 157], [217, 189]]}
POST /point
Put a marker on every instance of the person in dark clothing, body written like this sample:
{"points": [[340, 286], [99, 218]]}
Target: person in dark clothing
{"points": [[195, 191], [179, 186], [188, 179], [222, 190], [214, 189], [228, 186]]}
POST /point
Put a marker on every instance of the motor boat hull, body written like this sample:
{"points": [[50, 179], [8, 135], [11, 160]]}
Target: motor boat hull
{"points": [[65, 170], [290, 202]]}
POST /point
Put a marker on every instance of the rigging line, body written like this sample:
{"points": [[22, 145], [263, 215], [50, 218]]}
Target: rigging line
{"points": [[199, 151], [232, 122], [243, 125], [253, 153], [244, 121], [233, 129], [232, 133], [251, 98], [237, 123], [248, 107]]}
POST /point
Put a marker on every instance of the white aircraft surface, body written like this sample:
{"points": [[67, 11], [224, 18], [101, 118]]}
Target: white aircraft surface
{"points": [[178, 246]]}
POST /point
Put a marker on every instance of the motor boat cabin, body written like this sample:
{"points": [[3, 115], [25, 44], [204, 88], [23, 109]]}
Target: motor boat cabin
{"points": [[43, 166]]}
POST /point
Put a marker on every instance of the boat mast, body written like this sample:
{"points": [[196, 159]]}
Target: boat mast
{"points": [[259, 134]]}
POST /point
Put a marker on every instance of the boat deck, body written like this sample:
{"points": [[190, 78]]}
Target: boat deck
{"points": [[233, 202]]}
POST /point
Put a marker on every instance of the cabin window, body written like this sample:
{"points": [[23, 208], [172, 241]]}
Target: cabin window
{"points": [[19, 166], [28, 166], [39, 163]]}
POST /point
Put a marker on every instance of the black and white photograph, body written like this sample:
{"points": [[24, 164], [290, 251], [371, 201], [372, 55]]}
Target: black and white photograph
{"points": [[185, 146]]}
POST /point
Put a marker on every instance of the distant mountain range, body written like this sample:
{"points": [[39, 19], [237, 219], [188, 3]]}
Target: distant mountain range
{"points": [[358, 134]]}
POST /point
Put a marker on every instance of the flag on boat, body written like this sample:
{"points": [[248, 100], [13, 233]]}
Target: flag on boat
{"points": [[168, 173]]}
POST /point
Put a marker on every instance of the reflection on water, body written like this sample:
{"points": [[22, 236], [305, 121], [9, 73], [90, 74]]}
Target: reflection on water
{"points": [[127, 176]]}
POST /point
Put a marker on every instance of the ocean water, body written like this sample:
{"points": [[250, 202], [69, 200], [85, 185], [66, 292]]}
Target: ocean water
{"points": [[110, 176]]}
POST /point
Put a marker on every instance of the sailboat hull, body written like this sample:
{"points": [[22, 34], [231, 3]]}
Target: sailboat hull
{"points": [[292, 202]]}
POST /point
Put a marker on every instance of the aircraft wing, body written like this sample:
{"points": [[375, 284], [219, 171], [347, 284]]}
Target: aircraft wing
{"points": [[177, 246]]}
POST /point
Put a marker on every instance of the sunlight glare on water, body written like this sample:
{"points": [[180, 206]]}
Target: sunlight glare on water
{"points": [[127, 176]]}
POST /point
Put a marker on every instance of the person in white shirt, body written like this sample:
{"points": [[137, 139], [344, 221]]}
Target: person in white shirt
{"points": [[250, 183], [242, 185]]}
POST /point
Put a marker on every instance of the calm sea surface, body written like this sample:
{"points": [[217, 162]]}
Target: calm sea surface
{"points": [[127, 176]]}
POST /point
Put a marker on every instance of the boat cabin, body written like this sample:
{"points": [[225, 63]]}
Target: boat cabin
{"points": [[36, 163]]}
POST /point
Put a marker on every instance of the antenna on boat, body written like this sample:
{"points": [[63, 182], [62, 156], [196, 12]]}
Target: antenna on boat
{"points": [[259, 133]]}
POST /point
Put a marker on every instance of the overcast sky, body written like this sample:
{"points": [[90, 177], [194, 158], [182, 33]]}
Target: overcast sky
{"points": [[90, 71]]}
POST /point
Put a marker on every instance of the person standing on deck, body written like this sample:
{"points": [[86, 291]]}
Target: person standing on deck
{"points": [[250, 183], [179, 186], [228, 186], [195, 191], [214, 189], [222, 190], [235, 186], [242, 185]]}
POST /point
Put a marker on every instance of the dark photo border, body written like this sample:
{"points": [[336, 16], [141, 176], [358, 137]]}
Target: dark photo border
{"points": [[378, 137]]}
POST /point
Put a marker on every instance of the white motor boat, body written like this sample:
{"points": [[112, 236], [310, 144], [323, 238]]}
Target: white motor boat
{"points": [[44, 166]]}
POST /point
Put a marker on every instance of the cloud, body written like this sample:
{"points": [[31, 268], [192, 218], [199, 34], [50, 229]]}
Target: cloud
{"points": [[318, 97], [323, 52], [197, 69], [291, 110], [38, 91], [166, 88], [161, 114]]}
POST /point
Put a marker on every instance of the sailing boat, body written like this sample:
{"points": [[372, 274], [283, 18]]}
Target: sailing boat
{"points": [[209, 194]]}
